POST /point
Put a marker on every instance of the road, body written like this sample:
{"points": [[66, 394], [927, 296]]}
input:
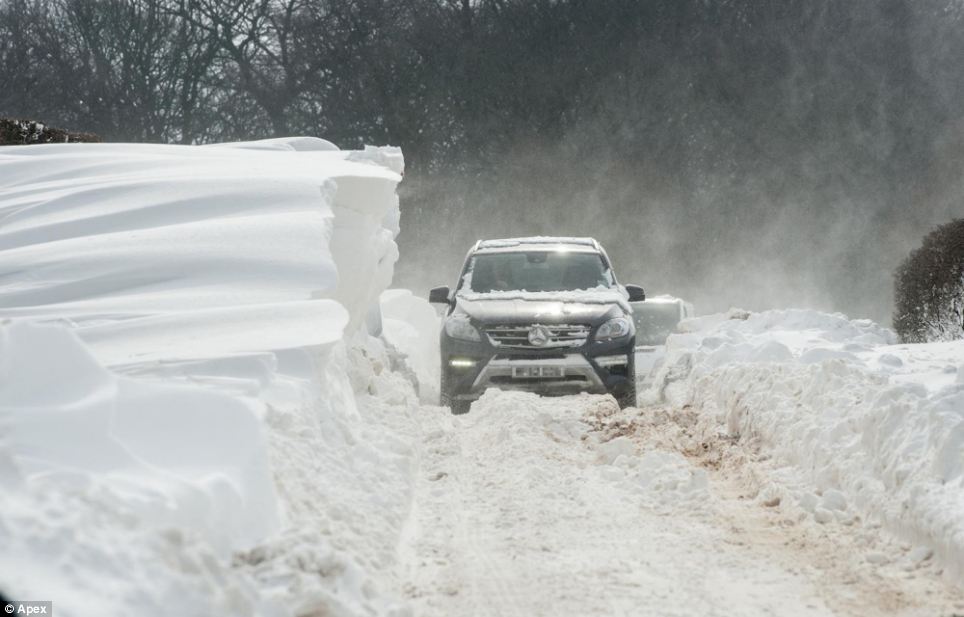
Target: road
{"points": [[532, 506]]}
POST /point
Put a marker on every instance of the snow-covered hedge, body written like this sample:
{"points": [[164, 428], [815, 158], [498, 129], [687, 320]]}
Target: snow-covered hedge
{"points": [[25, 132], [877, 428], [929, 288], [195, 420]]}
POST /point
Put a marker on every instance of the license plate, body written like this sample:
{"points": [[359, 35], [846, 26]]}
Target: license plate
{"points": [[524, 372]]}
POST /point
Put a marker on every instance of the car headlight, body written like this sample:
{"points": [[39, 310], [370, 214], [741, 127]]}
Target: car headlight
{"points": [[615, 328], [459, 328]]}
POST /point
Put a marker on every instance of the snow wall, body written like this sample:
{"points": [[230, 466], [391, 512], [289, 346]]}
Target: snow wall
{"points": [[195, 420], [858, 427]]}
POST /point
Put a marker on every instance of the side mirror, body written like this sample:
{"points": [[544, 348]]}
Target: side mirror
{"points": [[439, 295], [636, 293]]}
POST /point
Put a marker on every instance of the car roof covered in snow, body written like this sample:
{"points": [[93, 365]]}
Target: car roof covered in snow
{"points": [[537, 243]]}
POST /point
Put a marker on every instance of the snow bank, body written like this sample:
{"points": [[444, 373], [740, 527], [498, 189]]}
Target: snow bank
{"points": [[189, 458], [110, 483], [95, 231], [246, 452], [877, 428], [412, 325]]}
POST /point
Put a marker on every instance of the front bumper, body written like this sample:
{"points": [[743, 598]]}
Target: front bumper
{"points": [[596, 368]]}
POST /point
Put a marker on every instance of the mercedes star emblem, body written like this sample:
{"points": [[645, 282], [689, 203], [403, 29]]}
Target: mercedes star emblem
{"points": [[538, 336]]}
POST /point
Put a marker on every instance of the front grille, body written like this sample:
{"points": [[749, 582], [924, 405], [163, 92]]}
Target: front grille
{"points": [[560, 335]]}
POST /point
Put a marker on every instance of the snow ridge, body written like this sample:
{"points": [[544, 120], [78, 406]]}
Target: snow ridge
{"points": [[876, 428], [189, 400]]}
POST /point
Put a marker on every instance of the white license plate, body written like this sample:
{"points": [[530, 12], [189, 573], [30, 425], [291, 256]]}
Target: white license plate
{"points": [[524, 372]]}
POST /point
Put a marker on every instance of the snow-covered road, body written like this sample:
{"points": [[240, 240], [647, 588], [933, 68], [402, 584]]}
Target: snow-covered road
{"points": [[567, 506]]}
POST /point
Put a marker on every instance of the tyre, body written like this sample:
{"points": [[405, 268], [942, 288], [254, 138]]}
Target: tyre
{"points": [[446, 399], [460, 407], [628, 397], [457, 406]]}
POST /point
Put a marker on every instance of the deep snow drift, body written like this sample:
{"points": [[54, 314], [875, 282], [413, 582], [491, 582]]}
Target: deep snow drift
{"points": [[102, 231], [864, 428], [231, 460]]}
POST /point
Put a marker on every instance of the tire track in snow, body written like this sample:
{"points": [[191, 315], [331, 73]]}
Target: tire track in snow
{"points": [[491, 590], [516, 517], [451, 561], [749, 485]]}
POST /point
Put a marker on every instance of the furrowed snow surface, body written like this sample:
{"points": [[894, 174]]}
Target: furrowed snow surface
{"points": [[197, 422]]}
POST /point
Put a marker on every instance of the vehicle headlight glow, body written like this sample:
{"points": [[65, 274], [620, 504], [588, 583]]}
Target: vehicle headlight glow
{"points": [[611, 361], [615, 328], [460, 328]]}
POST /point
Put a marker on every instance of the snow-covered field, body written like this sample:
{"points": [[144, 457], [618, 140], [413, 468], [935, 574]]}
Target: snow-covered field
{"points": [[197, 420]]}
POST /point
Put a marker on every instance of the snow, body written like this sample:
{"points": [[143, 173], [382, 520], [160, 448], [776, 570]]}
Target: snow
{"points": [[208, 333], [109, 483], [185, 458], [104, 229], [663, 299], [302, 144], [599, 295], [412, 326], [870, 429], [524, 507], [534, 505], [513, 242], [195, 420]]}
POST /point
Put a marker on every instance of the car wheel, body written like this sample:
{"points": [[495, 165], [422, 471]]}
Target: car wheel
{"points": [[460, 407], [446, 399], [628, 397]]}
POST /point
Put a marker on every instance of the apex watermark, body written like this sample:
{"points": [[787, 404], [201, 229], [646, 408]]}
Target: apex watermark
{"points": [[11, 607]]}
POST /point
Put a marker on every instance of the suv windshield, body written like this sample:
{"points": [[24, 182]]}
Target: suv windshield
{"points": [[537, 271]]}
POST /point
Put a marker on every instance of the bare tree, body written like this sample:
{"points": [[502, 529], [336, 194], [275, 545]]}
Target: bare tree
{"points": [[265, 50]]}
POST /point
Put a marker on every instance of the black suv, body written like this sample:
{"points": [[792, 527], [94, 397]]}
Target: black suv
{"points": [[544, 315]]}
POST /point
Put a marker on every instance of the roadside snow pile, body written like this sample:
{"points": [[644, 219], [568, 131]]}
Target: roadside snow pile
{"points": [[248, 451], [106, 479], [877, 428], [63, 412], [94, 232], [412, 326]]}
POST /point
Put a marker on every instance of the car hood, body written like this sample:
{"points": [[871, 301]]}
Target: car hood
{"points": [[566, 307]]}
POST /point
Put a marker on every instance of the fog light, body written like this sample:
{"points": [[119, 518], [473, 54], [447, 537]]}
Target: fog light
{"points": [[461, 363], [608, 361]]}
